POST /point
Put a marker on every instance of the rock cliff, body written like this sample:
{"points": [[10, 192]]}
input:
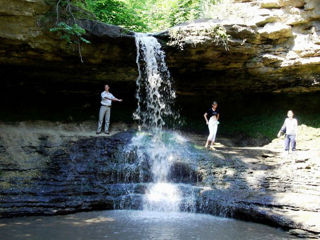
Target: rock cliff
{"points": [[28, 46], [273, 46]]}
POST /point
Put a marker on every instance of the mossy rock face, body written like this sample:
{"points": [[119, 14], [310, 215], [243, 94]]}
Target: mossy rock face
{"points": [[23, 7]]}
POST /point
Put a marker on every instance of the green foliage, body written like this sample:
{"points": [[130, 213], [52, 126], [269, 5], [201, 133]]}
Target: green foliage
{"points": [[220, 36], [136, 15], [165, 14], [145, 15], [66, 24], [116, 12], [72, 34]]}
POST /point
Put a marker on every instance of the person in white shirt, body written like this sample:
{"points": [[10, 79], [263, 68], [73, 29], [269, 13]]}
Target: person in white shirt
{"points": [[290, 128], [105, 110]]}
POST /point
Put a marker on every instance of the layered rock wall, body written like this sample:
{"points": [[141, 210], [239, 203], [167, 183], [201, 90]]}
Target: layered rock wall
{"points": [[273, 45], [25, 41]]}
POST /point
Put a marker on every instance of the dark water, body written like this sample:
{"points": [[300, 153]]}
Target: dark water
{"points": [[131, 225]]}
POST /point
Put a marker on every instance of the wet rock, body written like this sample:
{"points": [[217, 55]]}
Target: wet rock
{"points": [[86, 172], [68, 179], [183, 173], [302, 234]]}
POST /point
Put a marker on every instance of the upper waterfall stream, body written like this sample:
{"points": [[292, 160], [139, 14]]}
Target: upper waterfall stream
{"points": [[155, 93]]}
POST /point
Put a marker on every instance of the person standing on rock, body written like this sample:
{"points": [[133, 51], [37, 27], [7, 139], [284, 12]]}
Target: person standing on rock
{"points": [[212, 117], [290, 129], [105, 110]]}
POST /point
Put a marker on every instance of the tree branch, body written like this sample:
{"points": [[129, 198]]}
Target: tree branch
{"points": [[57, 9], [70, 11]]}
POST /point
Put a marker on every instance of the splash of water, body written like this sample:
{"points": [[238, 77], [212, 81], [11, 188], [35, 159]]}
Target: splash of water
{"points": [[162, 152], [163, 197], [155, 97], [155, 94]]}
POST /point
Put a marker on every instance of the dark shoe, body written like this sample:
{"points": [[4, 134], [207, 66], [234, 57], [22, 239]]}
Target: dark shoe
{"points": [[98, 133], [107, 132]]}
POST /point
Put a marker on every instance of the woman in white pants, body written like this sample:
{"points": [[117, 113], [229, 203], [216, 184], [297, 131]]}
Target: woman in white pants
{"points": [[213, 115]]}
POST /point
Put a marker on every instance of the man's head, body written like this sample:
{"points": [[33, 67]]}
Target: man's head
{"points": [[214, 104], [290, 114], [106, 87]]}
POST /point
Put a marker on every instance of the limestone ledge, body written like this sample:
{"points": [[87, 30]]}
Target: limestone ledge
{"points": [[273, 44], [268, 40], [26, 42]]}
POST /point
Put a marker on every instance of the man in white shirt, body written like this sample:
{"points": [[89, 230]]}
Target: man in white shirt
{"points": [[290, 128], [105, 110]]}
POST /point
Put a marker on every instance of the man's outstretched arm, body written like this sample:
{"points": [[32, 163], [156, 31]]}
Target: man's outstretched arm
{"points": [[114, 99]]}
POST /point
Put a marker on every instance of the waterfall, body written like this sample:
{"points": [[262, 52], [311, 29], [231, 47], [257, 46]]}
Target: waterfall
{"points": [[155, 97], [155, 94]]}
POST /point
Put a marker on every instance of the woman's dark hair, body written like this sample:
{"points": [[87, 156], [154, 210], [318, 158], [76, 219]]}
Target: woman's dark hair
{"points": [[215, 103]]}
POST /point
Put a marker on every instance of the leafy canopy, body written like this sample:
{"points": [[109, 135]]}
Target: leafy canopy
{"points": [[145, 15]]}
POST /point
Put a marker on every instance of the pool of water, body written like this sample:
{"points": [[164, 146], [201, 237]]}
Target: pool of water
{"points": [[131, 225]]}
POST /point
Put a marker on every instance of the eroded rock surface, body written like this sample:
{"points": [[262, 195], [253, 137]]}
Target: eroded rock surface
{"points": [[61, 172], [263, 184], [54, 168], [273, 45], [26, 42]]}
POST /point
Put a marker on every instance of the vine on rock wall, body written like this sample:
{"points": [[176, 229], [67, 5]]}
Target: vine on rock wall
{"points": [[180, 36], [65, 24]]}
